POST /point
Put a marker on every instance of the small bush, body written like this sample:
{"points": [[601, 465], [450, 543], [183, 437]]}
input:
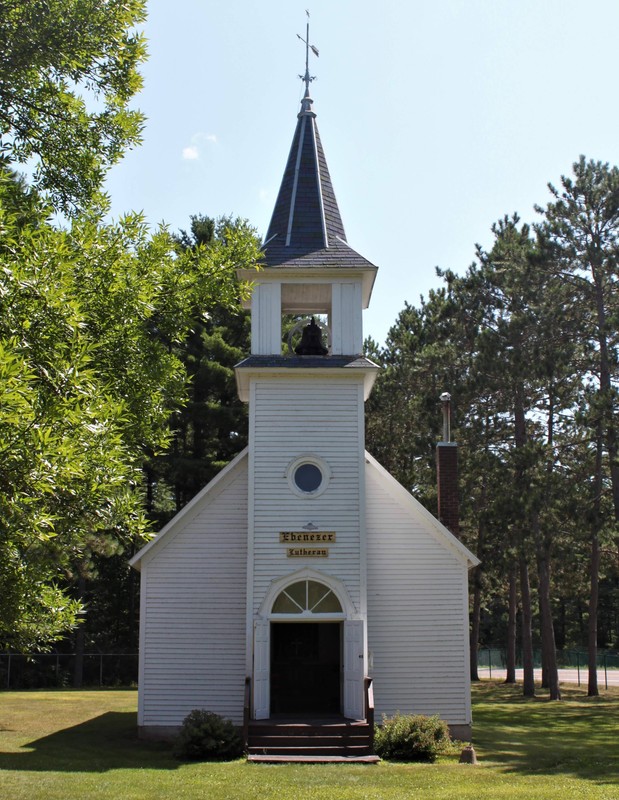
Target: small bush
{"points": [[406, 737], [205, 736]]}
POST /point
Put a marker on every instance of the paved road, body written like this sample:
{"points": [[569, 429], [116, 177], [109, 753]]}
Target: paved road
{"points": [[565, 675]]}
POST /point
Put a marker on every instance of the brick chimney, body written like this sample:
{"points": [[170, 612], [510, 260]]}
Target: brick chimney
{"points": [[447, 473]]}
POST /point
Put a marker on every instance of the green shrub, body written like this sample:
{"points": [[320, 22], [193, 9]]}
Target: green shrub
{"points": [[205, 736], [407, 737]]}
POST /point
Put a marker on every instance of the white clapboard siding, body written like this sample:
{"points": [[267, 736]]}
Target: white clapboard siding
{"points": [[193, 610], [417, 608], [301, 415]]}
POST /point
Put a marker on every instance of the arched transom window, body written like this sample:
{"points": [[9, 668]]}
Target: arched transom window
{"points": [[307, 597]]}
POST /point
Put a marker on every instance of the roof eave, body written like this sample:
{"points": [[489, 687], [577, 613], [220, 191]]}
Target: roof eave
{"points": [[244, 375], [285, 274]]}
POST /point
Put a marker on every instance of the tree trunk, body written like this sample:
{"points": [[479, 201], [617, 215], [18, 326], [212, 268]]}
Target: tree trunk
{"points": [[528, 682], [549, 650], [543, 545], [606, 388], [592, 686], [510, 676], [594, 568], [545, 682], [522, 488], [613, 458]]}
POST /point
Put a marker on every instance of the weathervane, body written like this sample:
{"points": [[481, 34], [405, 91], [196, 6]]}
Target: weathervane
{"points": [[307, 77]]}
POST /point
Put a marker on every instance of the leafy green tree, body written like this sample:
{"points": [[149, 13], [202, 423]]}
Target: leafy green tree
{"points": [[68, 71], [527, 343], [526, 358], [161, 295], [89, 319], [64, 465], [211, 427], [581, 231], [428, 351], [205, 432], [495, 338], [420, 361]]}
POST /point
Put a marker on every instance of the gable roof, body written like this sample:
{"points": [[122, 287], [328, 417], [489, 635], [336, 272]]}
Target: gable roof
{"points": [[223, 478], [431, 523], [193, 507], [306, 228]]}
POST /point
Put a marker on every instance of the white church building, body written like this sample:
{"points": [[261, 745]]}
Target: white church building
{"points": [[304, 569]]}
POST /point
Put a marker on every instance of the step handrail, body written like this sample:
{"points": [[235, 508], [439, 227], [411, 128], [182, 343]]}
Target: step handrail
{"points": [[369, 708], [246, 711]]}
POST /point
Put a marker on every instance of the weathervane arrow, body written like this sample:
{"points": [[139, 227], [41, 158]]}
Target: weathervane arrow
{"points": [[307, 77]]}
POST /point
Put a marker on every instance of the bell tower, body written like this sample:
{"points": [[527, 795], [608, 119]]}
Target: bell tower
{"points": [[306, 468], [310, 268]]}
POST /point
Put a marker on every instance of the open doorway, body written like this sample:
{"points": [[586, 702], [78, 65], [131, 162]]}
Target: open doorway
{"points": [[306, 667]]}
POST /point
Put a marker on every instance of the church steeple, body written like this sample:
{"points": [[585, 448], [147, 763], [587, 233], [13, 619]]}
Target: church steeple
{"points": [[306, 229], [309, 269], [306, 217]]}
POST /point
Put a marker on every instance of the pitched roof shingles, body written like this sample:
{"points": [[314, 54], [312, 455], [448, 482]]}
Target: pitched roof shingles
{"points": [[306, 228]]}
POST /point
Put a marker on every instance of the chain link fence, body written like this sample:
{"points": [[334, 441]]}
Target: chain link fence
{"points": [[51, 670], [55, 670], [493, 658]]}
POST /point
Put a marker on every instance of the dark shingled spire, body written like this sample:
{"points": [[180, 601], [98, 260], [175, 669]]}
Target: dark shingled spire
{"points": [[306, 228]]}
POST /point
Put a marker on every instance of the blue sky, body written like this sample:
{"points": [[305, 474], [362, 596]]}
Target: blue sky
{"points": [[437, 118]]}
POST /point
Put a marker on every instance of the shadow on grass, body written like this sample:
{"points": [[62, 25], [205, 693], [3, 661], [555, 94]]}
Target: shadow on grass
{"points": [[106, 742], [577, 736]]}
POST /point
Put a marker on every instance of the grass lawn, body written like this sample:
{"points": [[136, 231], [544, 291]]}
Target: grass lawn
{"points": [[67, 745]]}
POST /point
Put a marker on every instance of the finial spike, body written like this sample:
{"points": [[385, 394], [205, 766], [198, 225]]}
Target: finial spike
{"points": [[307, 78]]}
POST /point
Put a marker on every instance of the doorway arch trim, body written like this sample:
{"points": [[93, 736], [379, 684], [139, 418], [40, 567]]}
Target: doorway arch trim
{"points": [[307, 573]]}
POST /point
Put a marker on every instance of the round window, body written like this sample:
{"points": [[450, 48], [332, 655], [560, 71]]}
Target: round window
{"points": [[307, 477]]}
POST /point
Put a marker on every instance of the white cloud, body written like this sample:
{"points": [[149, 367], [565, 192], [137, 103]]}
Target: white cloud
{"points": [[192, 151]]}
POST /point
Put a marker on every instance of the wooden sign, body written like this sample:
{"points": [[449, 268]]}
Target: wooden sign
{"points": [[307, 552], [301, 537]]}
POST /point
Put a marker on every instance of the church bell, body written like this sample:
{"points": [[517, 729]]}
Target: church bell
{"points": [[311, 343]]}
